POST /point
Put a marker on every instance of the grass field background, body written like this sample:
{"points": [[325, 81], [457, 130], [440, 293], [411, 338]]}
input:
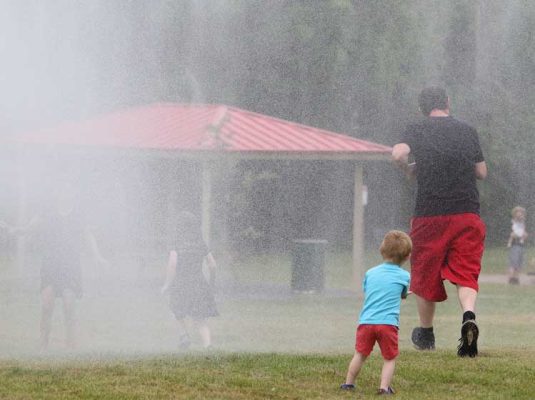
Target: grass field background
{"points": [[268, 342]]}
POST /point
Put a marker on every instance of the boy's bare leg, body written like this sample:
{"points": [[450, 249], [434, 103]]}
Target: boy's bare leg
{"points": [[354, 367], [426, 311], [48, 299], [170, 272], [387, 373], [513, 273], [467, 298], [183, 337], [204, 331], [69, 315], [182, 328]]}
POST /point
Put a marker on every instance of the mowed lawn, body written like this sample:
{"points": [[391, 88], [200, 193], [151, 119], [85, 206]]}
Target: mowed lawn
{"points": [[498, 374], [268, 344]]}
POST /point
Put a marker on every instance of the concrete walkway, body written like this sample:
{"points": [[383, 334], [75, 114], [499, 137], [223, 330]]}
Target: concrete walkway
{"points": [[503, 278]]}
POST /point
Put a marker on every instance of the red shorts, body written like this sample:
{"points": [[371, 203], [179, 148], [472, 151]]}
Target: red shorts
{"points": [[445, 247], [385, 335]]}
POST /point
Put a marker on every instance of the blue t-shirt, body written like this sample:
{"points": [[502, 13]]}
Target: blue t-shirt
{"points": [[383, 287]]}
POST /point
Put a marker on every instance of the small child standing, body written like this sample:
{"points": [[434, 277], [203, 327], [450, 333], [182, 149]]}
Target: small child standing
{"points": [[384, 286], [516, 243], [190, 293]]}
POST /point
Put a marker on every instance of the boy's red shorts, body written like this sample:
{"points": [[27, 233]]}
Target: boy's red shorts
{"points": [[445, 247], [385, 335]]}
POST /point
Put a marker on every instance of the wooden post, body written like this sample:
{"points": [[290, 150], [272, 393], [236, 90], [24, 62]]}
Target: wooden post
{"points": [[22, 211], [206, 202], [358, 230]]}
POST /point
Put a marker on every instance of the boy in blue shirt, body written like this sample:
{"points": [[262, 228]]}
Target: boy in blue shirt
{"points": [[384, 286]]}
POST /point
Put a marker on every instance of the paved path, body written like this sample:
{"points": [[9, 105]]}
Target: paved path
{"points": [[502, 278]]}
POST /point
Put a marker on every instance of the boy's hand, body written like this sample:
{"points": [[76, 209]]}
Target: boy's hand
{"points": [[164, 289], [103, 263]]}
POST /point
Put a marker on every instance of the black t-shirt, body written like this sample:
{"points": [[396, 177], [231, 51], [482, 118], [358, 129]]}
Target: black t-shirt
{"points": [[445, 151]]}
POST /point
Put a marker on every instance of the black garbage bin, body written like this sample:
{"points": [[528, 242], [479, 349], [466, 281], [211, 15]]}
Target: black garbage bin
{"points": [[308, 261]]}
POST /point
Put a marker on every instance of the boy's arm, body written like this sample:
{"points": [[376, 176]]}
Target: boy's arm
{"points": [[510, 240], [23, 230], [95, 250], [170, 272], [406, 292], [212, 265]]}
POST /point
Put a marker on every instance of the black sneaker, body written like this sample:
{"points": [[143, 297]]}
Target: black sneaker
{"points": [[468, 340], [423, 338], [386, 391], [347, 386]]}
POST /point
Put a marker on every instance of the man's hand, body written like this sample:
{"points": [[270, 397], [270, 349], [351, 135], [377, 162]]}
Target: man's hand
{"points": [[400, 157], [481, 170]]}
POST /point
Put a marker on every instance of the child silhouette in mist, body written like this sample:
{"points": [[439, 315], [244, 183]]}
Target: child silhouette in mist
{"points": [[384, 286], [190, 294], [62, 233]]}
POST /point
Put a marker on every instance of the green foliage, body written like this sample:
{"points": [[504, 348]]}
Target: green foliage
{"points": [[349, 66]]}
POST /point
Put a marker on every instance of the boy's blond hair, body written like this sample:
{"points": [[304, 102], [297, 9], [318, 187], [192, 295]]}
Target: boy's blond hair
{"points": [[396, 246], [518, 208]]}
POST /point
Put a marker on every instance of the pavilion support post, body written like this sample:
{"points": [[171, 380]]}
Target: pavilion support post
{"points": [[358, 229], [22, 214], [206, 202]]}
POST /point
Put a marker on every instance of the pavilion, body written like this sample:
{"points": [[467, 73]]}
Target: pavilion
{"points": [[207, 133]]}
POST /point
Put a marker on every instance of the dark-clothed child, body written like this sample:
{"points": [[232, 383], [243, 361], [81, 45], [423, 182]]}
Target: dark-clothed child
{"points": [[190, 294]]}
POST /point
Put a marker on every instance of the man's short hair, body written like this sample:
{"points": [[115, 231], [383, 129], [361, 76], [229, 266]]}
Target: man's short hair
{"points": [[396, 246], [432, 97]]}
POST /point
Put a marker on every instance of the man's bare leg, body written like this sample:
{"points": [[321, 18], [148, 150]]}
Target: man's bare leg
{"points": [[423, 336], [426, 311], [469, 330], [467, 298]]}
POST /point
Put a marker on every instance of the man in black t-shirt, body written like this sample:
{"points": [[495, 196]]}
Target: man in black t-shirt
{"points": [[447, 232]]}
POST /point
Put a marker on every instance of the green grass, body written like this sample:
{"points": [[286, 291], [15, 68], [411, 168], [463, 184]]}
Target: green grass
{"points": [[281, 346], [338, 273], [495, 260], [498, 374]]}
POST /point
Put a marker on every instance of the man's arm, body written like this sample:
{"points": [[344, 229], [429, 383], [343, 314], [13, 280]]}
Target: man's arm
{"points": [[481, 170], [400, 157]]}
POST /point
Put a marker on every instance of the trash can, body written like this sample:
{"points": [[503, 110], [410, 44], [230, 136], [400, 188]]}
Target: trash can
{"points": [[308, 261]]}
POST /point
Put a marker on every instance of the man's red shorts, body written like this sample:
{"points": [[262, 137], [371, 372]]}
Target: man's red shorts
{"points": [[445, 247], [385, 335]]}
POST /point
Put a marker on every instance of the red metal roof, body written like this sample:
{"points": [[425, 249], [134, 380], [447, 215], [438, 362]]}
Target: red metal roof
{"points": [[190, 127]]}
